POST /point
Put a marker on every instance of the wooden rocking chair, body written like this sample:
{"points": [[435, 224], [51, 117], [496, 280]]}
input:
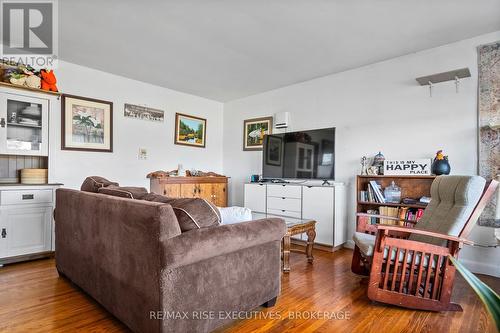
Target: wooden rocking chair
{"points": [[408, 267]]}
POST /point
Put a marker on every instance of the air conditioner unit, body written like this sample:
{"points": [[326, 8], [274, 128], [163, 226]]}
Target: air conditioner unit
{"points": [[281, 120]]}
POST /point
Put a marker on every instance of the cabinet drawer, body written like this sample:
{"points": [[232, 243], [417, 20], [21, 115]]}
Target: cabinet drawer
{"points": [[284, 203], [25, 197], [284, 212], [287, 191]]}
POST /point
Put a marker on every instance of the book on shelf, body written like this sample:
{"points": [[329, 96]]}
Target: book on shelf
{"points": [[376, 188], [424, 201], [371, 219], [373, 193], [371, 197], [391, 212], [402, 215]]}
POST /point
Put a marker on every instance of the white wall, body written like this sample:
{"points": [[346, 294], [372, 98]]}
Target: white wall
{"points": [[377, 107], [123, 165]]}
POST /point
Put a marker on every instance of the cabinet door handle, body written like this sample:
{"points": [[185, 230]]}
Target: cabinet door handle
{"points": [[283, 198], [2, 122], [28, 196], [4, 233]]}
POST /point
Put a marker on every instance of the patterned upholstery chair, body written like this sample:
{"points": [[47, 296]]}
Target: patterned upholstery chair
{"points": [[408, 267]]}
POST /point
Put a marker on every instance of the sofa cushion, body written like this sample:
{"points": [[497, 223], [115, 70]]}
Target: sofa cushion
{"points": [[365, 242], [453, 198], [94, 183], [124, 192], [192, 213]]}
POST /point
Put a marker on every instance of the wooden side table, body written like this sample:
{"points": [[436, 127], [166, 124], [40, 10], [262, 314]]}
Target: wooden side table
{"points": [[295, 228]]}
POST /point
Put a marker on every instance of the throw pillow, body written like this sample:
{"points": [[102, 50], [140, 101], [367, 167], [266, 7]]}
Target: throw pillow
{"points": [[124, 192], [231, 215], [192, 213], [94, 183]]}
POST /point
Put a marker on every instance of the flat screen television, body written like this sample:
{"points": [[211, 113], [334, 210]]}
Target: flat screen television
{"points": [[299, 155]]}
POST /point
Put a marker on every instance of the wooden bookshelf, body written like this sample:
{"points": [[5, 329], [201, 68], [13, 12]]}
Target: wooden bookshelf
{"points": [[413, 187]]}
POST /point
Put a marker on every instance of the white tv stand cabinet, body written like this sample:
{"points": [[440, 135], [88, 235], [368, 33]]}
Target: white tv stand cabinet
{"points": [[324, 204]]}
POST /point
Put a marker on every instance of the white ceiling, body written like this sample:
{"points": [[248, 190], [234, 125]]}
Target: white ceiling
{"points": [[228, 49]]}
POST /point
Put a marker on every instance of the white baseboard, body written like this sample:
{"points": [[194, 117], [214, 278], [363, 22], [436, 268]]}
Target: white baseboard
{"points": [[481, 268]]}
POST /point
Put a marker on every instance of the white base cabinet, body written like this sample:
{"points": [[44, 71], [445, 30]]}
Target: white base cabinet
{"points": [[255, 197], [324, 204], [26, 231], [26, 221]]}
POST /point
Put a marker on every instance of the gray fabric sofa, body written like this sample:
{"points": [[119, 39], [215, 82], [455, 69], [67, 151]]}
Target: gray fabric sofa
{"points": [[131, 256]]}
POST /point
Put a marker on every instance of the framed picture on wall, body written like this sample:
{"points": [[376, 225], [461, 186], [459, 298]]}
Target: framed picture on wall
{"points": [[254, 131], [86, 124], [274, 150], [143, 113], [190, 130]]}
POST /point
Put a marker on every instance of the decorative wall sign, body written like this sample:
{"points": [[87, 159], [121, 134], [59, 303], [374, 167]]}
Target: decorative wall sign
{"points": [[86, 124], [143, 112], [489, 118], [254, 131], [190, 130], [407, 167]]}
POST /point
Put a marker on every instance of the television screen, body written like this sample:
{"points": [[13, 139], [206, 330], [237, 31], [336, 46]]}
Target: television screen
{"points": [[299, 155]]}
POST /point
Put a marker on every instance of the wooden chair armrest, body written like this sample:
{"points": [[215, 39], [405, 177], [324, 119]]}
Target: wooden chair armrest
{"points": [[386, 217], [423, 232]]}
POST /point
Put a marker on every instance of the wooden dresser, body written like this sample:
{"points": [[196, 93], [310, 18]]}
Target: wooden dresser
{"points": [[213, 189]]}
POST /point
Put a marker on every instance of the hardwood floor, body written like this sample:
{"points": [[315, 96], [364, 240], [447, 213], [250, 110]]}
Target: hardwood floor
{"points": [[34, 299]]}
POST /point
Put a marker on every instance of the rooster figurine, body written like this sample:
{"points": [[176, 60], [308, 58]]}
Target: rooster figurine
{"points": [[48, 80], [440, 165]]}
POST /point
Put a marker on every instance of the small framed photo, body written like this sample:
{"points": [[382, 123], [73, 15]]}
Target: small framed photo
{"points": [[143, 113], [190, 130], [254, 131], [274, 150], [86, 124]]}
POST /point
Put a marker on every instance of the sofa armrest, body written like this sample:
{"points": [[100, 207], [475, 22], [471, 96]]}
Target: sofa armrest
{"points": [[200, 244]]}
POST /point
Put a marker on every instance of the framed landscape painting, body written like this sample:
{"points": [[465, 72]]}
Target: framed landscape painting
{"points": [[86, 124], [190, 130], [254, 131]]}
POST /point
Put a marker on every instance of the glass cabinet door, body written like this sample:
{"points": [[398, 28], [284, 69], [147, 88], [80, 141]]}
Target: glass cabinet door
{"points": [[24, 123]]}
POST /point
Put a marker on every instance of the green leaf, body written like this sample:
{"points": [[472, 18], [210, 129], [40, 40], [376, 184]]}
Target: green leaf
{"points": [[489, 297]]}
